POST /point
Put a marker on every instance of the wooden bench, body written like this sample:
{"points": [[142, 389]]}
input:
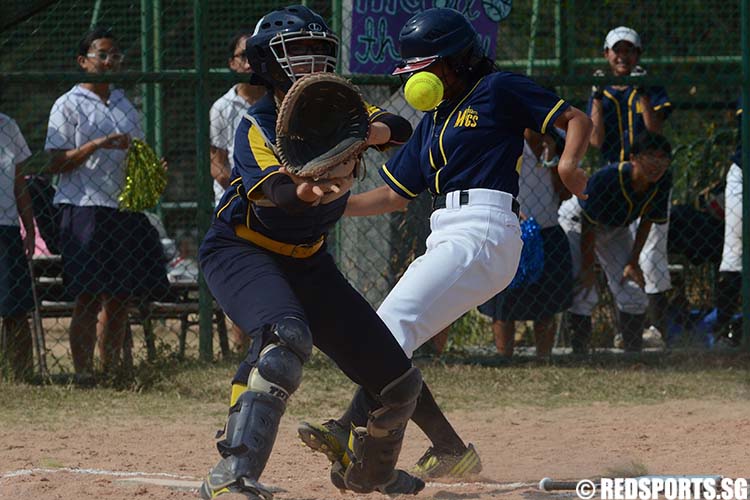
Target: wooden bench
{"points": [[182, 305]]}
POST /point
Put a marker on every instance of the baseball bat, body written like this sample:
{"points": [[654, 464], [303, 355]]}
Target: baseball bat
{"points": [[39, 344], [549, 484]]}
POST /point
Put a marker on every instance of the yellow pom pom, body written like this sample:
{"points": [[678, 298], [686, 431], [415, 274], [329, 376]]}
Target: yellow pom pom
{"points": [[423, 91], [145, 178]]}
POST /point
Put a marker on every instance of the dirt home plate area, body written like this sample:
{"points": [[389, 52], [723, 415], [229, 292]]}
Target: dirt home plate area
{"points": [[152, 458]]}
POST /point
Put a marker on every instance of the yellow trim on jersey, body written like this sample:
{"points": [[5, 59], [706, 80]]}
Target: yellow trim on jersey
{"points": [[300, 251], [519, 164], [663, 105], [659, 221], [549, 115], [738, 112], [229, 202], [630, 125], [624, 191], [448, 120], [238, 179], [645, 205], [263, 154], [437, 182], [588, 217], [400, 186], [619, 122]]}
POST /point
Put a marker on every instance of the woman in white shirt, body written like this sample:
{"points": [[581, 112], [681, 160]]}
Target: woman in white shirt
{"points": [[90, 129]]}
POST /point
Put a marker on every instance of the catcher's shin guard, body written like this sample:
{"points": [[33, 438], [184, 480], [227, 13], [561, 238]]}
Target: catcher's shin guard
{"points": [[374, 450], [254, 419]]}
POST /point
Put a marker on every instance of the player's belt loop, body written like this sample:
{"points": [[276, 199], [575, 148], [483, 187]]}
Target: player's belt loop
{"points": [[301, 251]]}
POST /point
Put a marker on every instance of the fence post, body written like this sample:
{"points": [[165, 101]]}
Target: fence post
{"points": [[205, 343], [745, 127]]}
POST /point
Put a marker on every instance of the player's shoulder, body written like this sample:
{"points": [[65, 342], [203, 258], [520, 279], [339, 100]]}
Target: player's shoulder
{"points": [[508, 79], [610, 172]]}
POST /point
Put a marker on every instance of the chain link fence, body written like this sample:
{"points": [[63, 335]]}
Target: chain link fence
{"points": [[139, 295]]}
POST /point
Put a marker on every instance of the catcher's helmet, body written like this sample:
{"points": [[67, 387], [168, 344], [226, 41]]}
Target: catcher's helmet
{"points": [[268, 49], [438, 33]]}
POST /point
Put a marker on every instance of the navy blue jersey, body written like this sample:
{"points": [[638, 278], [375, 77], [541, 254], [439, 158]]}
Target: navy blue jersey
{"points": [[475, 140], [623, 118], [613, 202], [737, 156], [254, 162]]}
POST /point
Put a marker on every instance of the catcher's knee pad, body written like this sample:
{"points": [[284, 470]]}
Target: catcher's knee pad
{"points": [[374, 450], [278, 372], [250, 433], [296, 335]]}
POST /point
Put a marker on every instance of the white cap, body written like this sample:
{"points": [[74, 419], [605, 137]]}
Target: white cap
{"points": [[622, 33]]}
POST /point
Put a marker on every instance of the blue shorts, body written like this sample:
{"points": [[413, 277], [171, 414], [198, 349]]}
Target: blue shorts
{"points": [[105, 250], [16, 298], [256, 288], [552, 293]]}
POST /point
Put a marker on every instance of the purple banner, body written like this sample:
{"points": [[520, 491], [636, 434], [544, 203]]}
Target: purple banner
{"points": [[377, 23]]}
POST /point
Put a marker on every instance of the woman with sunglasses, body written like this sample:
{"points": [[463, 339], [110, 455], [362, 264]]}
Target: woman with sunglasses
{"points": [[106, 255]]}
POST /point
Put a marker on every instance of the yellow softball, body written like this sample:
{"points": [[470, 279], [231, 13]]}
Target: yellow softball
{"points": [[423, 91]]}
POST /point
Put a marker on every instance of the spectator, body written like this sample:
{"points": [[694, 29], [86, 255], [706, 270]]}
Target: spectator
{"points": [[226, 114], [539, 192], [16, 299], [106, 255], [619, 114], [597, 229], [730, 271]]}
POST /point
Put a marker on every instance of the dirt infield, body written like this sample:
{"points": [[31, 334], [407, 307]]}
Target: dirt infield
{"points": [[118, 460]]}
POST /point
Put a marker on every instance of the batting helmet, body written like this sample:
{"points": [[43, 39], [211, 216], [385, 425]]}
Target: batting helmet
{"points": [[271, 49], [438, 33]]}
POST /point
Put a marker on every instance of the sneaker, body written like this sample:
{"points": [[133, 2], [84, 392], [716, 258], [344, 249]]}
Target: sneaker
{"points": [[652, 337], [221, 480], [434, 464], [619, 342], [328, 438]]}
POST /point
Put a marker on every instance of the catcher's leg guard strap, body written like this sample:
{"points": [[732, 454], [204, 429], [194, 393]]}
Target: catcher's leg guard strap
{"points": [[374, 450]]}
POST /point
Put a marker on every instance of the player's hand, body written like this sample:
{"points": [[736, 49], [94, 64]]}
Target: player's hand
{"points": [[29, 244], [633, 272], [597, 90], [574, 178], [114, 141], [323, 190], [639, 72]]}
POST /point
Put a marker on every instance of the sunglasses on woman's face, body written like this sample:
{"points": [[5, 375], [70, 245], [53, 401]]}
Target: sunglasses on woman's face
{"points": [[115, 57]]}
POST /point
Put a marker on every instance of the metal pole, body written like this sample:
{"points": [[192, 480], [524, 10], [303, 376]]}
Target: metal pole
{"points": [[147, 64], [205, 341], [532, 37], [95, 13], [745, 17], [337, 25], [558, 32], [158, 112]]}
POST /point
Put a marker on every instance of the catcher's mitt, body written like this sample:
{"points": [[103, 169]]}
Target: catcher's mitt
{"points": [[322, 123]]}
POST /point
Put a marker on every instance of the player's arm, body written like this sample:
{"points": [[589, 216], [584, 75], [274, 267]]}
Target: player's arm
{"points": [[23, 203], [597, 121], [578, 133], [377, 201], [220, 166], [632, 269], [654, 120], [387, 129], [65, 160]]}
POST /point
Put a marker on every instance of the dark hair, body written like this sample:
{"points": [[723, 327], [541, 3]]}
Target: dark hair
{"points": [[239, 35], [93, 34], [650, 141]]}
